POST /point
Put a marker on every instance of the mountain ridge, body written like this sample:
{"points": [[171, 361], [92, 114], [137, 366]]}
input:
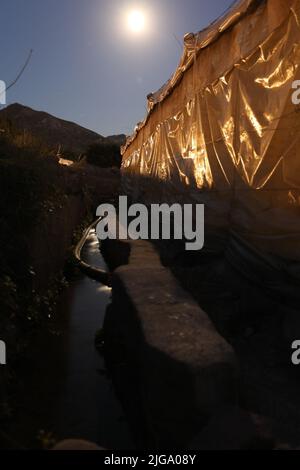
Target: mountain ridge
{"points": [[53, 131]]}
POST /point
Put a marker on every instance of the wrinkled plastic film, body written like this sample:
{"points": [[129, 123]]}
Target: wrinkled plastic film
{"points": [[233, 143]]}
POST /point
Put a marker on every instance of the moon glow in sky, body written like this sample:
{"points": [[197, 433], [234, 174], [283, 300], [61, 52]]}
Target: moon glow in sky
{"points": [[136, 21]]}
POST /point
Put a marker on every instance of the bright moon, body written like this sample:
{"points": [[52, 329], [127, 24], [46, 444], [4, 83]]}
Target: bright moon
{"points": [[136, 21]]}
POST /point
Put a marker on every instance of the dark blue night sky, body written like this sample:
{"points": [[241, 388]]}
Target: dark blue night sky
{"points": [[87, 66]]}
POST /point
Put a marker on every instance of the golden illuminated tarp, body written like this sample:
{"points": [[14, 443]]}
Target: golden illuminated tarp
{"points": [[224, 130]]}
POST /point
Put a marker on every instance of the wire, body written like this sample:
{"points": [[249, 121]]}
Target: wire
{"points": [[19, 74], [178, 41]]}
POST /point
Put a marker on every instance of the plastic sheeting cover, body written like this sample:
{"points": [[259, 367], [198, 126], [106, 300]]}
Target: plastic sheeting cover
{"points": [[224, 130]]}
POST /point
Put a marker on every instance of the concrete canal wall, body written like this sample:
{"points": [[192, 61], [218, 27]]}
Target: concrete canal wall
{"points": [[166, 356]]}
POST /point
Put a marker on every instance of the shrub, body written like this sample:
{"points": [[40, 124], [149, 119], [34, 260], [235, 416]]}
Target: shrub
{"points": [[105, 155]]}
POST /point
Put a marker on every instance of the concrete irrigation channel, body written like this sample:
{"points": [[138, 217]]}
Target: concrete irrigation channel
{"points": [[91, 271], [171, 368]]}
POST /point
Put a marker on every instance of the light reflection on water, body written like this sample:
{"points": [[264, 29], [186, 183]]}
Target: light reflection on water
{"points": [[67, 392]]}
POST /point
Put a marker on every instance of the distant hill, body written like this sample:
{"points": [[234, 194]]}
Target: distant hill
{"points": [[55, 132], [116, 139]]}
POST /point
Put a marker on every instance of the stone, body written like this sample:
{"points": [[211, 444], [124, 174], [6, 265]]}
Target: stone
{"points": [[76, 444], [185, 368]]}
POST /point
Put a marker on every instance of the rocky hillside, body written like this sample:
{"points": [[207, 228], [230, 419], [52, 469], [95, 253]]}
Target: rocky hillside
{"points": [[55, 132]]}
